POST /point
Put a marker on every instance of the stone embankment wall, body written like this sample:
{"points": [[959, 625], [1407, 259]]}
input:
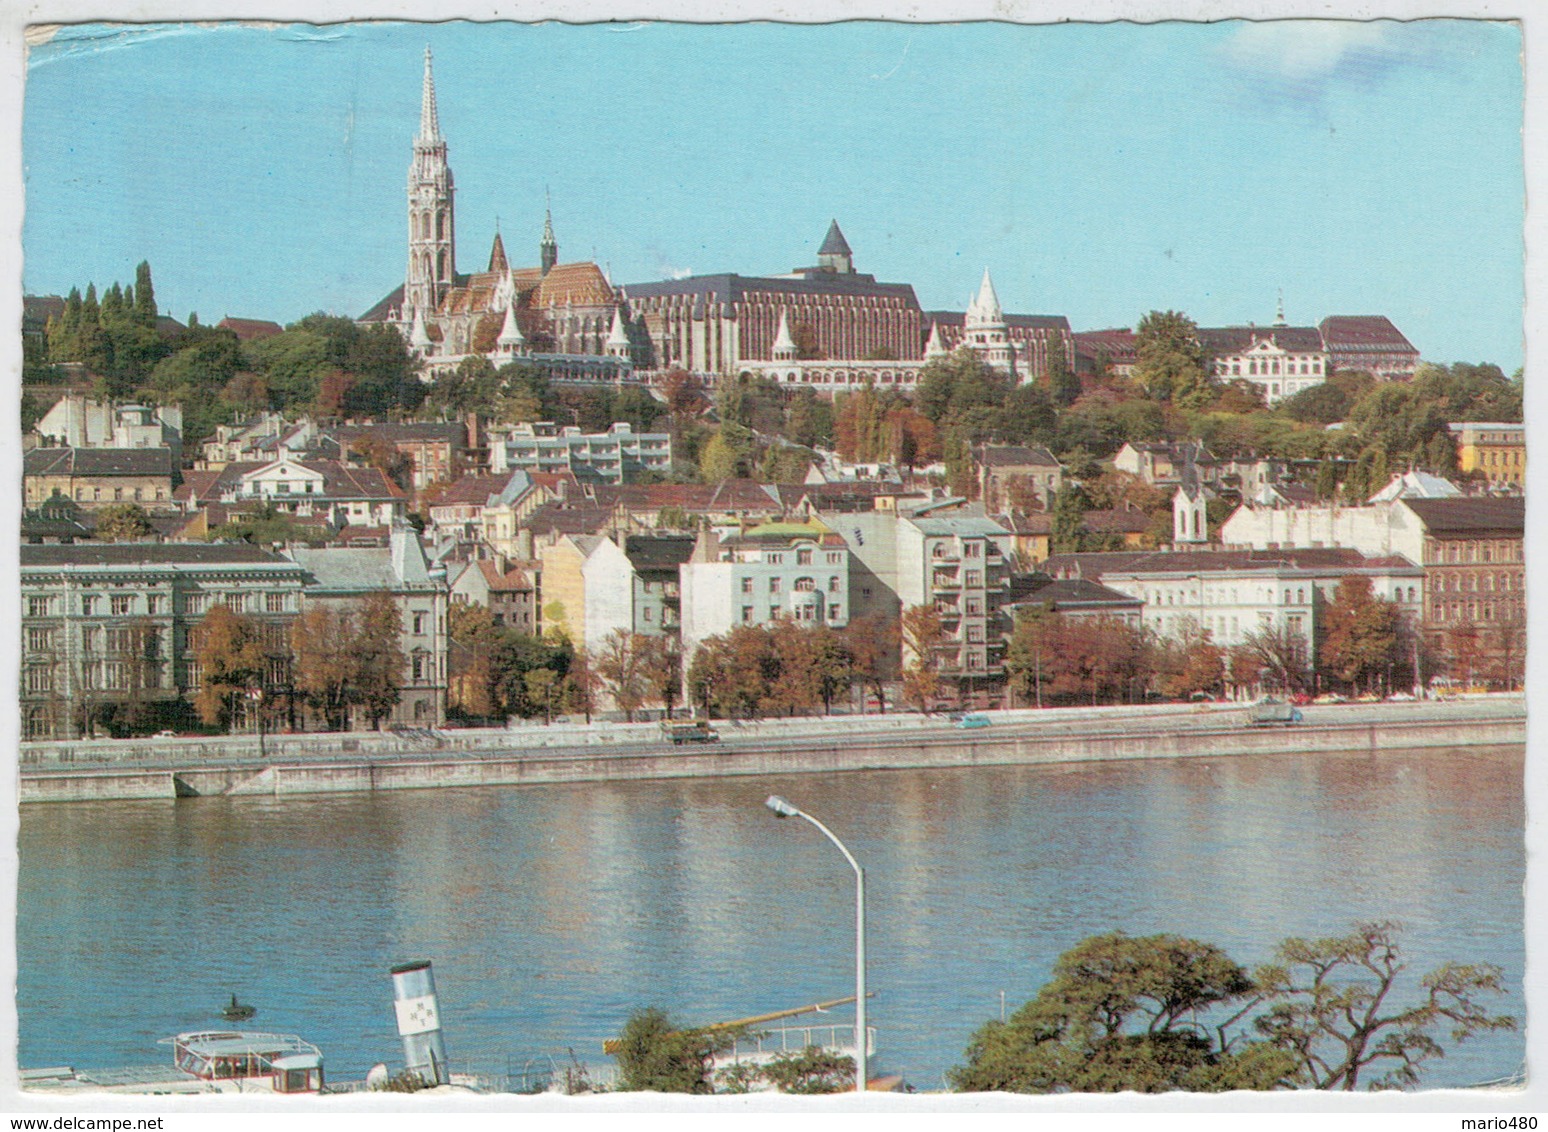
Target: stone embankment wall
{"points": [[529, 755]]}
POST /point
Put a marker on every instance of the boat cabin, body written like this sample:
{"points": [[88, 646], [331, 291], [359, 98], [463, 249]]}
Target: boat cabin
{"points": [[282, 1063]]}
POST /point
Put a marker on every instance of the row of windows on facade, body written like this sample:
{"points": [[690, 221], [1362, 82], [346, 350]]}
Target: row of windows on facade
{"points": [[971, 579], [802, 585], [973, 607], [1499, 550], [971, 548], [1223, 628], [1272, 367], [1510, 610], [1494, 458], [153, 605], [1213, 596], [120, 494], [804, 612], [1472, 583]]}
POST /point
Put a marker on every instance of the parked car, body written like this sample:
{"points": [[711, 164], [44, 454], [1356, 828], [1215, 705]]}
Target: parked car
{"points": [[689, 731], [1273, 713], [972, 721]]}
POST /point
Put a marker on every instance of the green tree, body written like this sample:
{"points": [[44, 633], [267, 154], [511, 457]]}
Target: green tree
{"points": [[1335, 1009], [1170, 363], [1127, 1013], [922, 634], [656, 1056], [123, 522], [720, 459], [1063, 382], [812, 1071], [144, 309]]}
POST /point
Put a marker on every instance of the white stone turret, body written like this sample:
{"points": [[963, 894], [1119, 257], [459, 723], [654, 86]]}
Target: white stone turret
{"points": [[617, 339], [419, 338], [985, 310], [511, 340], [784, 344], [935, 348], [984, 330]]}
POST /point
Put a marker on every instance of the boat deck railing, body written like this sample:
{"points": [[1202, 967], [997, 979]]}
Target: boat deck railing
{"points": [[838, 1037]]}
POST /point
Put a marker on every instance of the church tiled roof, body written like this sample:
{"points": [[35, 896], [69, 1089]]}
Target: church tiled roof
{"points": [[582, 284]]}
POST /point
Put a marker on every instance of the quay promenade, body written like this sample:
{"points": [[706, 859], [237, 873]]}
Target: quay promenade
{"points": [[535, 754]]}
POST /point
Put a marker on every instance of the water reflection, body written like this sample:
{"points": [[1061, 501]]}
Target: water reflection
{"points": [[551, 912]]}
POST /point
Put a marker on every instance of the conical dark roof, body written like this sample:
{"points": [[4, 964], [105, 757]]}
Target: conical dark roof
{"points": [[834, 244], [497, 260]]}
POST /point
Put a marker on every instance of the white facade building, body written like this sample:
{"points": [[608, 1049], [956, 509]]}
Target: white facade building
{"points": [[542, 446], [781, 571]]}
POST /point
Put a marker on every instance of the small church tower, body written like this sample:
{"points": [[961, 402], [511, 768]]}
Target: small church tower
{"points": [[432, 262], [548, 247], [1190, 516], [834, 255]]}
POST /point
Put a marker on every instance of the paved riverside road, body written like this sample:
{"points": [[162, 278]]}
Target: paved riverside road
{"points": [[590, 741]]}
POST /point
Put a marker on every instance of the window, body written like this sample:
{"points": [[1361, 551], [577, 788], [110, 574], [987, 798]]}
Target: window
{"points": [[275, 603], [155, 603], [196, 603], [40, 640], [834, 613], [975, 578], [419, 667], [805, 585], [774, 585], [747, 614], [40, 678], [44, 606], [121, 604], [747, 585], [419, 622], [975, 633], [975, 607], [835, 557], [773, 613], [804, 556], [649, 614], [833, 584], [971, 550]]}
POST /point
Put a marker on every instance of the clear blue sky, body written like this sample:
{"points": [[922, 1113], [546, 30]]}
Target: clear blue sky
{"points": [[1099, 171]]}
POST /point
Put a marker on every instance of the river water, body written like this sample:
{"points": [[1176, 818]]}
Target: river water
{"points": [[552, 912]]}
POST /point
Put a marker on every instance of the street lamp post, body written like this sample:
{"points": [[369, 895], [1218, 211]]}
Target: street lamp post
{"points": [[783, 809]]}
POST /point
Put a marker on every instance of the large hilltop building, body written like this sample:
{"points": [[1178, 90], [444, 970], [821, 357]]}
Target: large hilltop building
{"points": [[831, 327], [563, 317]]}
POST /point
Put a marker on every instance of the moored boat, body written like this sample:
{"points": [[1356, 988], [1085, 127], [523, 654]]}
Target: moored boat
{"points": [[204, 1061]]}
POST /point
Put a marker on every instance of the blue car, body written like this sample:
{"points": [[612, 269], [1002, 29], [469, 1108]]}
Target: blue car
{"points": [[972, 721]]}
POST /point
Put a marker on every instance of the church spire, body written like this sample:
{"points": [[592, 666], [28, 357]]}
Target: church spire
{"points": [[429, 120], [548, 248], [497, 260], [985, 308]]}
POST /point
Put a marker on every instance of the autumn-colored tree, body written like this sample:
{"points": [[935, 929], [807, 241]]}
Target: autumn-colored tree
{"points": [[470, 660], [661, 669], [684, 393], [1464, 647], [229, 649], [922, 635], [619, 664], [1360, 633], [378, 656], [321, 640], [729, 674], [872, 643], [1051, 657], [380, 453], [1277, 658], [1188, 662]]}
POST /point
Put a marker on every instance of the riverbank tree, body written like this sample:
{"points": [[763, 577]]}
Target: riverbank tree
{"points": [[1161, 1013]]}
